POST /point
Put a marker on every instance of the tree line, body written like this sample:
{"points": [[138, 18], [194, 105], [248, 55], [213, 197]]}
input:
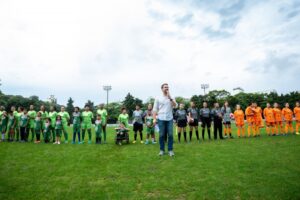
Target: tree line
{"points": [[130, 101]]}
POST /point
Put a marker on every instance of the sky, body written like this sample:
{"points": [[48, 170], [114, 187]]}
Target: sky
{"points": [[71, 48]]}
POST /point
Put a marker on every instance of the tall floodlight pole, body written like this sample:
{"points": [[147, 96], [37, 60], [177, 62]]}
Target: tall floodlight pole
{"points": [[107, 88], [204, 87]]}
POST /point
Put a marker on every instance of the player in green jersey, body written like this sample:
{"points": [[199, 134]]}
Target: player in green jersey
{"points": [[103, 113], [44, 115], [18, 115], [1, 113], [24, 119], [32, 116], [76, 124], [150, 127], [123, 117], [4, 120], [98, 129], [11, 125], [52, 116], [86, 124], [38, 123], [47, 130], [58, 128], [65, 117]]}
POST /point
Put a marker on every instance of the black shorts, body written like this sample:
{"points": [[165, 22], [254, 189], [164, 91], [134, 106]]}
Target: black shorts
{"points": [[182, 123], [206, 122], [194, 123], [227, 123], [137, 127]]}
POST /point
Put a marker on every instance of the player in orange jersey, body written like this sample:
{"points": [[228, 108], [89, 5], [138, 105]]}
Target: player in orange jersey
{"points": [[249, 112], [239, 117], [258, 120], [297, 117], [288, 118], [278, 119], [270, 119]]}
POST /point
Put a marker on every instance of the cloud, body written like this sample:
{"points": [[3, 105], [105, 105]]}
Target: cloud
{"points": [[73, 48]]}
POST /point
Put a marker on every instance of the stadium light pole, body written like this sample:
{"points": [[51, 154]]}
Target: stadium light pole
{"points": [[107, 88], [204, 87]]}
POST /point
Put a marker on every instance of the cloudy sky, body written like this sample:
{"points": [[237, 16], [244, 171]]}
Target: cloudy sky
{"points": [[71, 48]]}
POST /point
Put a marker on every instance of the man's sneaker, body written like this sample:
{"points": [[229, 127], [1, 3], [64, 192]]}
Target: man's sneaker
{"points": [[133, 142], [142, 142], [58, 142], [161, 153], [171, 153]]}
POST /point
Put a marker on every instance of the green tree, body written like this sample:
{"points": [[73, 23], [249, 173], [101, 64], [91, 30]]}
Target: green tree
{"points": [[70, 106]]}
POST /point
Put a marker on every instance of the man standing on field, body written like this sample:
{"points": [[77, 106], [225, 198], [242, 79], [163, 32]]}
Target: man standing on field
{"points": [[163, 115]]}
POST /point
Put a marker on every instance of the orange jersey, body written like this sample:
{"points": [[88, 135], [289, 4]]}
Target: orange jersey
{"points": [[249, 114], [269, 115], [287, 114], [239, 117], [257, 114], [297, 113], [277, 114]]}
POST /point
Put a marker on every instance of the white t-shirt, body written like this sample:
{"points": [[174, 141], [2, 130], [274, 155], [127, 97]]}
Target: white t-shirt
{"points": [[163, 107]]}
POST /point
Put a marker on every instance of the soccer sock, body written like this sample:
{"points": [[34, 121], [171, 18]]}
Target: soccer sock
{"points": [[90, 134], [225, 131], [203, 133], [297, 127], [257, 130], [229, 131], [104, 133], [3, 135], [179, 136], [208, 130], [253, 130], [141, 135], [53, 135], [286, 128], [135, 136], [66, 135], [273, 130], [18, 133], [197, 134], [83, 134], [243, 131], [291, 128], [184, 135], [32, 134], [191, 134], [268, 130], [249, 131], [239, 132]]}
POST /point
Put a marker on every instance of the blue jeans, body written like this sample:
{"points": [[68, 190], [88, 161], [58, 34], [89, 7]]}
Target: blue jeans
{"points": [[165, 127]]}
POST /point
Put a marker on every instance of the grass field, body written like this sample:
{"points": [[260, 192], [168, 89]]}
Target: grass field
{"points": [[252, 168]]}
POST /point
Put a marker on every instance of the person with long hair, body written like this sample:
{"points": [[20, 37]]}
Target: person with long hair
{"points": [[226, 111], [193, 120]]}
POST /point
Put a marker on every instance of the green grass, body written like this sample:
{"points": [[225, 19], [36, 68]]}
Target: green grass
{"points": [[251, 168]]}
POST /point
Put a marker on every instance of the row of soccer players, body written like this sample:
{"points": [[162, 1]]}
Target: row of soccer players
{"points": [[278, 121]]}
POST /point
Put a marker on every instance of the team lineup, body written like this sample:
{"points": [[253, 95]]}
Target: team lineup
{"points": [[21, 123]]}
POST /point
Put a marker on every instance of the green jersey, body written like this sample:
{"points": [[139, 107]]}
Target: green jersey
{"points": [[123, 118], [98, 126], [32, 116], [149, 121], [24, 120], [52, 116], [44, 114], [65, 117], [103, 114], [76, 118], [87, 117], [12, 121], [18, 117], [58, 125], [38, 123], [4, 120], [47, 127]]}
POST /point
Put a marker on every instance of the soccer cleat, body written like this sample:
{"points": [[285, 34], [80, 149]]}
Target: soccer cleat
{"points": [[171, 153], [153, 142], [142, 142], [297, 133], [161, 153], [133, 142], [58, 142]]}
